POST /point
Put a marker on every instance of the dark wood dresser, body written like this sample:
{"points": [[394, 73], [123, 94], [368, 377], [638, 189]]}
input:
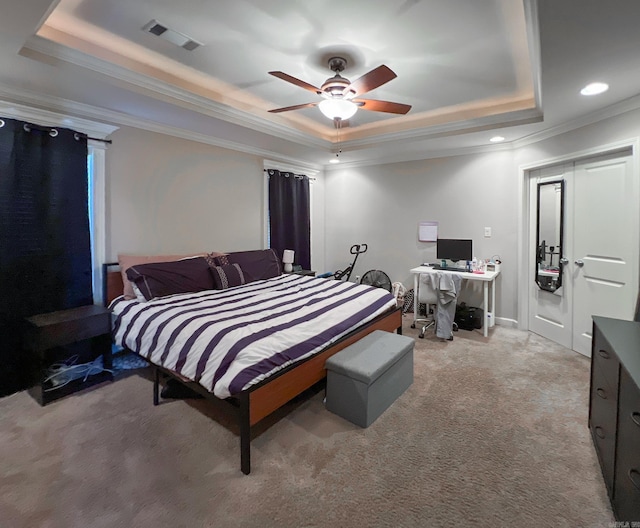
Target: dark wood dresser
{"points": [[614, 411]]}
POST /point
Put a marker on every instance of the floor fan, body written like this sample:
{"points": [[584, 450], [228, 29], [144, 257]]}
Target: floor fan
{"points": [[377, 279]]}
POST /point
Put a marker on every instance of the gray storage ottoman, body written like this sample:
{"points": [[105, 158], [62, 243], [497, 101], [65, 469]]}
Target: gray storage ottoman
{"points": [[365, 378]]}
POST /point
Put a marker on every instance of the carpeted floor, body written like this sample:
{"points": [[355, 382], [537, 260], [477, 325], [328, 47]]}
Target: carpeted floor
{"points": [[492, 433]]}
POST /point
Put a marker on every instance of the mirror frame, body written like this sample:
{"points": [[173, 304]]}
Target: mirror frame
{"points": [[547, 285]]}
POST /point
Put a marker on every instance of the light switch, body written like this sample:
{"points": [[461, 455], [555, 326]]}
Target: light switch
{"points": [[487, 232]]}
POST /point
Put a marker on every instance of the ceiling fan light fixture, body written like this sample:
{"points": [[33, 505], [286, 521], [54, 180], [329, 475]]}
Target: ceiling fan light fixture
{"points": [[338, 108]]}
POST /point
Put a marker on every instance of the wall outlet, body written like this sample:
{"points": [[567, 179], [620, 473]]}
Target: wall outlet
{"points": [[487, 232]]}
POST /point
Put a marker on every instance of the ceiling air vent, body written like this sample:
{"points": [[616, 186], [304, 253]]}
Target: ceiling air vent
{"points": [[179, 39]]}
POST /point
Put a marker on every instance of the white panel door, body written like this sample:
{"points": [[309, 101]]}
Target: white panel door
{"points": [[550, 313], [604, 267], [601, 244]]}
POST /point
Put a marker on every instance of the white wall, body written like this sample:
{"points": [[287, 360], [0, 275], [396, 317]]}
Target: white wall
{"points": [[382, 206], [168, 195], [318, 240]]}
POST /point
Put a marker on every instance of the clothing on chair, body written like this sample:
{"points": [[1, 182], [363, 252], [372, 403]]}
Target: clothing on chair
{"points": [[447, 285], [427, 296]]}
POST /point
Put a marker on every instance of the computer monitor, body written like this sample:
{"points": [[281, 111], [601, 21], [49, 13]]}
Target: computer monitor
{"points": [[454, 249]]}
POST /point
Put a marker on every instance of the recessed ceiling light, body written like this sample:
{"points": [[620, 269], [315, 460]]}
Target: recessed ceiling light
{"points": [[594, 88], [496, 139]]}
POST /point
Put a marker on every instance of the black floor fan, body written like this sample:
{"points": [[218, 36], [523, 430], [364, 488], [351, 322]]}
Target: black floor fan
{"points": [[377, 278]]}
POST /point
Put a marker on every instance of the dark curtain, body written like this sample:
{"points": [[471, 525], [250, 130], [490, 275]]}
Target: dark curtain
{"points": [[289, 216], [45, 248]]}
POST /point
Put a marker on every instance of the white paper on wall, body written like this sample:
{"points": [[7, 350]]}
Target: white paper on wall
{"points": [[428, 231]]}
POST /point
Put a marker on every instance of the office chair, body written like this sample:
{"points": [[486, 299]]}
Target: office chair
{"points": [[428, 296]]}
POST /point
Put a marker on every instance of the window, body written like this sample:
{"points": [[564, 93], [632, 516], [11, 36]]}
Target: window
{"points": [[289, 211], [96, 165]]}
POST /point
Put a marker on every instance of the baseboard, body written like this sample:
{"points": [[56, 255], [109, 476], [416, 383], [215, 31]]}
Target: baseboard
{"points": [[503, 321]]}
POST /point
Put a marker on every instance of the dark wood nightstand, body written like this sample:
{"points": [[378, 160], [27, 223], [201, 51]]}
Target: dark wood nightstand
{"points": [[44, 333]]}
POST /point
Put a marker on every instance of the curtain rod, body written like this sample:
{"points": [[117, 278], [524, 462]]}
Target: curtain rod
{"points": [[311, 178], [29, 126]]}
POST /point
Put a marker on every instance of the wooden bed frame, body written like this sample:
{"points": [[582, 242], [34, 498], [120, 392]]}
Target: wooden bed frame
{"points": [[260, 400]]}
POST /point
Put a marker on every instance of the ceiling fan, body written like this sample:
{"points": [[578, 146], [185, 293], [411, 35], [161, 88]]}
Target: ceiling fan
{"points": [[341, 97]]}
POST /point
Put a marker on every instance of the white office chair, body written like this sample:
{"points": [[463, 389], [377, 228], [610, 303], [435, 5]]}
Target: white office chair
{"points": [[428, 296]]}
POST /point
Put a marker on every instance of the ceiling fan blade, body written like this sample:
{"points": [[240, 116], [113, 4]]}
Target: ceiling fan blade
{"points": [[376, 77], [297, 82], [295, 107], [382, 106]]}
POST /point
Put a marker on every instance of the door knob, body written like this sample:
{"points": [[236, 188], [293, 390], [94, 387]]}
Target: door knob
{"points": [[564, 261], [579, 263]]}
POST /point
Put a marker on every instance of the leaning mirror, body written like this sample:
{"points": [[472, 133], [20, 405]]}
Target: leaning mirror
{"points": [[549, 229]]}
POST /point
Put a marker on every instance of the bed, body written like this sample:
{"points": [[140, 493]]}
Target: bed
{"points": [[250, 347]]}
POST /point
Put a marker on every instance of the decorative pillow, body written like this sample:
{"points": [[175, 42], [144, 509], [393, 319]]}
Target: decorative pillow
{"points": [[168, 278], [213, 258], [126, 261], [256, 265], [221, 260], [227, 276]]}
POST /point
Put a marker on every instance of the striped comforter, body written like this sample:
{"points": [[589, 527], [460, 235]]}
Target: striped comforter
{"points": [[228, 340]]}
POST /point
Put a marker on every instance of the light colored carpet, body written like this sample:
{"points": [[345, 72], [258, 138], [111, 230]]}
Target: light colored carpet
{"points": [[493, 432]]}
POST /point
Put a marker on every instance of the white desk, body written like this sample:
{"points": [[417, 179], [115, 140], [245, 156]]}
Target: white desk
{"points": [[487, 278]]}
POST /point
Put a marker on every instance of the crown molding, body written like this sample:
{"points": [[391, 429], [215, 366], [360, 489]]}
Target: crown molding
{"points": [[15, 110], [308, 170], [420, 156], [616, 109], [51, 111], [628, 105], [92, 119], [533, 40], [39, 46], [520, 117]]}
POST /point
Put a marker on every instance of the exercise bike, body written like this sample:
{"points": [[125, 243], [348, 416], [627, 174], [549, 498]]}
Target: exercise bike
{"points": [[356, 249]]}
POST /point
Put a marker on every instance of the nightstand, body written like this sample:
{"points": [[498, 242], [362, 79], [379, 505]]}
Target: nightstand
{"points": [[44, 333]]}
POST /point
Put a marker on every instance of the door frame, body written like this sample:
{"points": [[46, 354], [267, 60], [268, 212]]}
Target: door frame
{"points": [[620, 147]]}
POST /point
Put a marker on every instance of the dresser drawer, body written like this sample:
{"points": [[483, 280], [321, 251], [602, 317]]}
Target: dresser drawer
{"points": [[627, 474], [602, 420], [604, 359]]}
